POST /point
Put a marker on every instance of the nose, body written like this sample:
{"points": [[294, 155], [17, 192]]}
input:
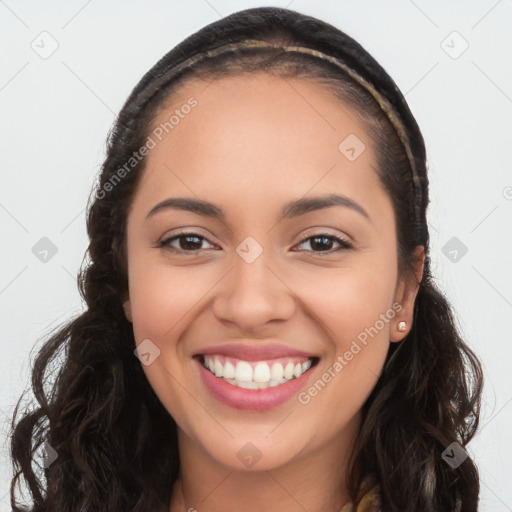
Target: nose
{"points": [[253, 294]]}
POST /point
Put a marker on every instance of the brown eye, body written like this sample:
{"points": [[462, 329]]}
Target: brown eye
{"points": [[322, 243], [187, 242]]}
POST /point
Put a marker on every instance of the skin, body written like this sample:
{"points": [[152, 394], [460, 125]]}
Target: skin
{"points": [[251, 145]]}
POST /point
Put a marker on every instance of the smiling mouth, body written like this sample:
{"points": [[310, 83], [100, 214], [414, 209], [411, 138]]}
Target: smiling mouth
{"points": [[257, 374]]}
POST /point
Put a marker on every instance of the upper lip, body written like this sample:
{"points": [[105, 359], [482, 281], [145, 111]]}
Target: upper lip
{"points": [[254, 352]]}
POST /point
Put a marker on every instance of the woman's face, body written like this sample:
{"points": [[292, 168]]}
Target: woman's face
{"points": [[260, 282]]}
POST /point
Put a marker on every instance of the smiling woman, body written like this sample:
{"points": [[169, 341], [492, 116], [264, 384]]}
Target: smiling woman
{"points": [[263, 331]]}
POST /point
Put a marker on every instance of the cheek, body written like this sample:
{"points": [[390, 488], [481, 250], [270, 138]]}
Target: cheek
{"points": [[348, 300], [347, 303], [353, 306], [162, 296], [162, 300]]}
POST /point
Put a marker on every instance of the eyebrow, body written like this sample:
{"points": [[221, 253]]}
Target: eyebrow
{"points": [[290, 210]]}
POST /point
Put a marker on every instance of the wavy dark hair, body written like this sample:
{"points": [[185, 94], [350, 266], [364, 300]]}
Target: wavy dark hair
{"points": [[116, 443]]}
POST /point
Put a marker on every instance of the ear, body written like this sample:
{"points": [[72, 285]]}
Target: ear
{"points": [[127, 306], [405, 294]]}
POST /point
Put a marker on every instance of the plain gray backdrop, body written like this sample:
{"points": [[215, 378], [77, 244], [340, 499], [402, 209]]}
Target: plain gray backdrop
{"points": [[67, 67]]}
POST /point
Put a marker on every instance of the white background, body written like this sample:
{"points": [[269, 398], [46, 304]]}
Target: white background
{"points": [[56, 112]]}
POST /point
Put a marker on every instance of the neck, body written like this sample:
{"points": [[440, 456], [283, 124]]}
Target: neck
{"points": [[312, 481]]}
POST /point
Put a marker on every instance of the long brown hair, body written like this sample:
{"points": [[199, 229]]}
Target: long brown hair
{"points": [[116, 444]]}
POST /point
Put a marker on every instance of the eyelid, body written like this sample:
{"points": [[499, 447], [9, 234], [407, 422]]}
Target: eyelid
{"points": [[320, 230]]}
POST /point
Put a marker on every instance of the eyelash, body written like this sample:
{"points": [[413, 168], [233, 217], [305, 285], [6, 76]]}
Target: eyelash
{"points": [[344, 244]]}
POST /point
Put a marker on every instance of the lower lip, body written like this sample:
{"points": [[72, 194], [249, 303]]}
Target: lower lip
{"points": [[251, 399]]}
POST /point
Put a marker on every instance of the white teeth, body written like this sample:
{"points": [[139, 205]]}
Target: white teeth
{"points": [[243, 372], [229, 371], [258, 375], [218, 368], [255, 385], [306, 365], [261, 373], [277, 371], [248, 385], [288, 371]]}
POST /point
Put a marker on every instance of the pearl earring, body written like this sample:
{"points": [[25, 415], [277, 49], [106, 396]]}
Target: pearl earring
{"points": [[402, 326]]}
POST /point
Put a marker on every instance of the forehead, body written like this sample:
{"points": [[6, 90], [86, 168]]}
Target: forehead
{"points": [[255, 134], [263, 102]]}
